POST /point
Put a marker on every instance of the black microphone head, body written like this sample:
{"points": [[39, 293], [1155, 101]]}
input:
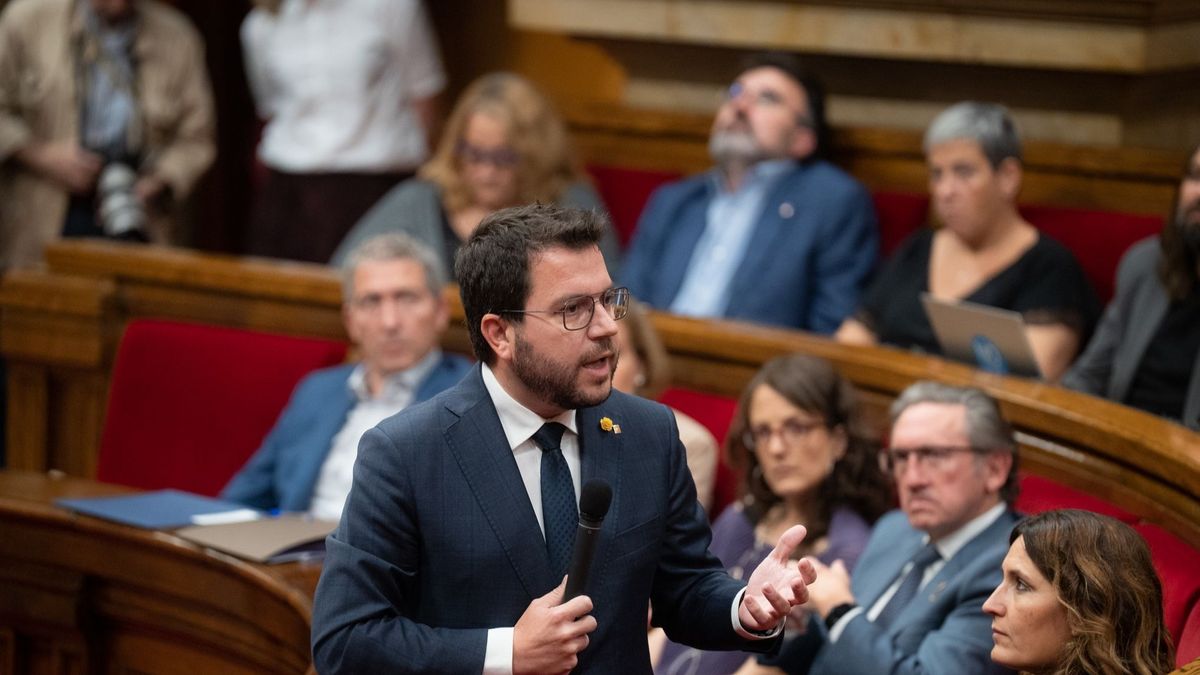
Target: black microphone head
{"points": [[594, 499]]}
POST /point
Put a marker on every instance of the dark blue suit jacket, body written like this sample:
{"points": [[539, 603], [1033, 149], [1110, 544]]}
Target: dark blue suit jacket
{"points": [[283, 471], [438, 543], [943, 631], [808, 259]]}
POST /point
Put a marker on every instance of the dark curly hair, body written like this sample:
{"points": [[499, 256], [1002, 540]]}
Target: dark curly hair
{"points": [[814, 386]]}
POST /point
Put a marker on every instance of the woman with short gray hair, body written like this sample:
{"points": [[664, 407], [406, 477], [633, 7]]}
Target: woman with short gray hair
{"points": [[984, 252]]}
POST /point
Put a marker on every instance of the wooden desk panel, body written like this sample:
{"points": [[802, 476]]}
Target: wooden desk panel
{"points": [[79, 594]]}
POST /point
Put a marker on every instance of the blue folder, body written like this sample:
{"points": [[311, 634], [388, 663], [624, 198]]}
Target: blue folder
{"points": [[158, 510]]}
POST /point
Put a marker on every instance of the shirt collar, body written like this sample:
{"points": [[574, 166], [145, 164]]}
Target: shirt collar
{"points": [[953, 542], [404, 381], [758, 173], [519, 422]]}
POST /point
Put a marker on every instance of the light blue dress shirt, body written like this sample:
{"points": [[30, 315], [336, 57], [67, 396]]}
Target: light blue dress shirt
{"points": [[732, 217]]}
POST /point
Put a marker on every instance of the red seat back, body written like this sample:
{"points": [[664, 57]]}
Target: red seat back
{"points": [[900, 214], [1097, 238], [1042, 494], [716, 414], [625, 191], [190, 403], [1187, 644]]}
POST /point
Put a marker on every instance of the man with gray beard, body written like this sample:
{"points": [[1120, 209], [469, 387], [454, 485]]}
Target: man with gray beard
{"points": [[1146, 351], [773, 233]]}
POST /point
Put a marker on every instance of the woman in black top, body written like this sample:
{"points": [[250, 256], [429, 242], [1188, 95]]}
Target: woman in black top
{"points": [[985, 252]]}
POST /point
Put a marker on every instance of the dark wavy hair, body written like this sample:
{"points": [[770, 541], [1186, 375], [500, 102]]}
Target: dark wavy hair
{"points": [[1101, 570], [814, 386], [1177, 269]]}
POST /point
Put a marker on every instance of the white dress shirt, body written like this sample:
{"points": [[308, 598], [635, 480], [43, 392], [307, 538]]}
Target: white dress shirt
{"points": [[337, 472], [520, 423], [336, 79]]}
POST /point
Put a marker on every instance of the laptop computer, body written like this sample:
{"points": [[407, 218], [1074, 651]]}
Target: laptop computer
{"points": [[992, 339]]}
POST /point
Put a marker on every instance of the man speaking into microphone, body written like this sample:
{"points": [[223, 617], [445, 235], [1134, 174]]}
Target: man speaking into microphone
{"points": [[456, 538]]}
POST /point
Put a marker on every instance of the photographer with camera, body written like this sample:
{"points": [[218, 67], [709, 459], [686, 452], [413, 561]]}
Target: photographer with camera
{"points": [[104, 126]]}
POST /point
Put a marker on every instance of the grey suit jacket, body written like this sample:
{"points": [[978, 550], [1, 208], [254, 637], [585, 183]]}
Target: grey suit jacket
{"points": [[1110, 362], [943, 631], [438, 543]]}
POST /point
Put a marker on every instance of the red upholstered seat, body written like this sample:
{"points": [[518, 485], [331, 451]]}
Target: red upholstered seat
{"points": [[716, 414], [625, 191], [1187, 644], [190, 403], [900, 214], [1177, 565], [1042, 494], [1097, 238]]}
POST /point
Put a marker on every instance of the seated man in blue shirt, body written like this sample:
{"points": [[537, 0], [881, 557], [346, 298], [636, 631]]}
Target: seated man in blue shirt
{"points": [[773, 233], [395, 314]]}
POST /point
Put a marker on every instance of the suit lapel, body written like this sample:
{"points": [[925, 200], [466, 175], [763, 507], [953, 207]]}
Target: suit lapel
{"points": [[874, 585], [777, 222], [478, 444]]}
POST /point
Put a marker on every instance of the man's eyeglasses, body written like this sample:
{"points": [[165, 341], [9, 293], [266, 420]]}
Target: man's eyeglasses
{"points": [[577, 312], [931, 457], [792, 431], [501, 158], [764, 98]]}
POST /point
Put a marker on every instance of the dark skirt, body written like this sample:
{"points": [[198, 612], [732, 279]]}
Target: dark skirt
{"points": [[305, 216]]}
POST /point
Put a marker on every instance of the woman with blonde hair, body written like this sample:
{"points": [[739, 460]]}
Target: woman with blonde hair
{"points": [[1079, 596], [503, 145]]}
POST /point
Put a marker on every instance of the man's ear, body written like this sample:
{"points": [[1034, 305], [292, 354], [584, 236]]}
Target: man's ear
{"points": [[500, 335], [997, 465], [804, 142]]}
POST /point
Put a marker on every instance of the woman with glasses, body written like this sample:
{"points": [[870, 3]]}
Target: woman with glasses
{"points": [[798, 438], [1079, 595], [503, 145]]}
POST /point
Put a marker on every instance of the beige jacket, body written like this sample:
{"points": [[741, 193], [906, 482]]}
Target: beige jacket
{"points": [[38, 102]]}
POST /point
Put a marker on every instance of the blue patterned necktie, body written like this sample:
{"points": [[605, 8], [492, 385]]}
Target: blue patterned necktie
{"points": [[909, 586], [560, 514]]}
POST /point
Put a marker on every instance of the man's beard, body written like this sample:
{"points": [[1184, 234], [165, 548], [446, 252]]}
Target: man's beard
{"points": [[556, 383], [734, 146]]}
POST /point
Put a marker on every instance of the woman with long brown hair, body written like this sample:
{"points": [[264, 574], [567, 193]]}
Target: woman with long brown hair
{"points": [[1079, 596]]}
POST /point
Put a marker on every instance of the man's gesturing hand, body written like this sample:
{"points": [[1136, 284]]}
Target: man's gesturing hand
{"points": [[549, 636], [777, 584]]}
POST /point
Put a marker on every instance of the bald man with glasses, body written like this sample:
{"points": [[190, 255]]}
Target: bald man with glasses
{"points": [[915, 604], [772, 234]]}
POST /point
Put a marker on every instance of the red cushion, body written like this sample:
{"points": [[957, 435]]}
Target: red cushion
{"points": [[1187, 644], [625, 191], [900, 214], [1176, 563], [189, 403], [1097, 238], [1042, 494], [716, 414]]}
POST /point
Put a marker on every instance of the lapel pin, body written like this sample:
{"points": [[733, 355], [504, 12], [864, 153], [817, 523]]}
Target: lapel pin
{"points": [[606, 424], [786, 210], [616, 428]]}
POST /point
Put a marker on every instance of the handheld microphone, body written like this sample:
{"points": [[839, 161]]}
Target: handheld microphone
{"points": [[594, 499]]}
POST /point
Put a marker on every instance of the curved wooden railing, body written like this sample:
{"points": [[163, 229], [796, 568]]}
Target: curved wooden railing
{"points": [[78, 594], [61, 326]]}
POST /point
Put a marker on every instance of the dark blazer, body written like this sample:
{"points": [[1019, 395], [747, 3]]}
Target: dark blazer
{"points": [[1110, 362], [283, 471], [438, 543], [943, 631], [808, 259]]}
